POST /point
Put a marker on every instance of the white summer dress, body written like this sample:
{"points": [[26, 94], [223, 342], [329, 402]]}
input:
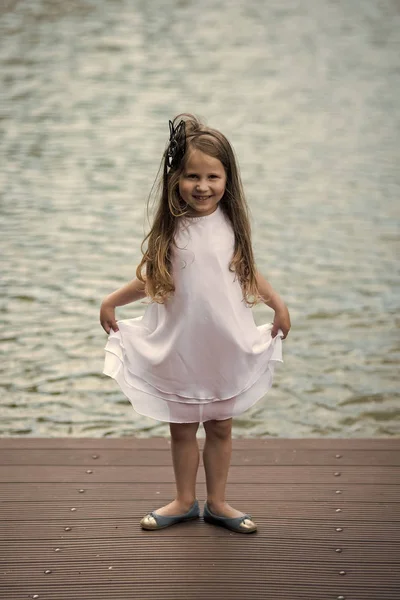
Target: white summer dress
{"points": [[199, 356]]}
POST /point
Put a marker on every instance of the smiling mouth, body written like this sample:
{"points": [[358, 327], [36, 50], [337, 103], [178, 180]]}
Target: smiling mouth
{"points": [[201, 198]]}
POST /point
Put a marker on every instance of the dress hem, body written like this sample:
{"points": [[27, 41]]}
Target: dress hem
{"points": [[114, 362], [233, 407]]}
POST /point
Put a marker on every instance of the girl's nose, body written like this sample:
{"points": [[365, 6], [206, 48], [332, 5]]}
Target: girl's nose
{"points": [[201, 185]]}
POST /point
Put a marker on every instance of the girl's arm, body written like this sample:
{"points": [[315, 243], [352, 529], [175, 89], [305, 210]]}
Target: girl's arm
{"points": [[132, 291], [273, 300]]}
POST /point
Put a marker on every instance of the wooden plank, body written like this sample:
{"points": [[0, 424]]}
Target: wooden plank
{"points": [[318, 529], [163, 492], [128, 442], [351, 551], [246, 588], [240, 474], [114, 509], [125, 571], [249, 457]]}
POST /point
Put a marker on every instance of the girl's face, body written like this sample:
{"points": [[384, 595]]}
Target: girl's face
{"points": [[202, 183]]}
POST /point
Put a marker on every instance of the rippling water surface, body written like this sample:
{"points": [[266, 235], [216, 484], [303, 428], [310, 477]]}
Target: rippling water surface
{"points": [[308, 93]]}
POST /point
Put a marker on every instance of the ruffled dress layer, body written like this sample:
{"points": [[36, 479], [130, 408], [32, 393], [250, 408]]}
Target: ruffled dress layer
{"points": [[199, 356]]}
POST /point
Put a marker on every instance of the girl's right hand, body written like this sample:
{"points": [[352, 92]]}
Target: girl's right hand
{"points": [[107, 317]]}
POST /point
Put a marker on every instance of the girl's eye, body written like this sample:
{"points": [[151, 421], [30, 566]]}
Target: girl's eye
{"points": [[191, 176]]}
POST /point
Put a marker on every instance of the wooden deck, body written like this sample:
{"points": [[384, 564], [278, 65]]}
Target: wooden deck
{"points": [[328, 513]]}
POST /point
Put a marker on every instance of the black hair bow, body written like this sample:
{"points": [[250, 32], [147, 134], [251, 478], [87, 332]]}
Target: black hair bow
{"points": [[177, 144]]}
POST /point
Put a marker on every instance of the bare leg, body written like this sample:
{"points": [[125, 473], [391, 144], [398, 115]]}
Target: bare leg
{"points": [[217, 457], [185, 458]]}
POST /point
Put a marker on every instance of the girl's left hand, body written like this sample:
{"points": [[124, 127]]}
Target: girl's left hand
{"points": [[281, 321]]}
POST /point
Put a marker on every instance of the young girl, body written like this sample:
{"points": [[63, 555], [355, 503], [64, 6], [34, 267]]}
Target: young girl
{"points": [[196, 355]]}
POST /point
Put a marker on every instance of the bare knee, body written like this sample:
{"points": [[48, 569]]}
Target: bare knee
{"points": [[183, 431], [218, 429]]}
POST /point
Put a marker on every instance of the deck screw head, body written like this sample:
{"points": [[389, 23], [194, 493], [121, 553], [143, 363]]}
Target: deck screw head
{"points": [[338, 550], [95, 456], [342, 572], [67, 528], [338, 456], [57, 549], [47, 571], [89, 471], [337, 510], [338, 492], [340, 598], [337, 474], [73, 509], [339, 529], [35, 596], [81, 491]]}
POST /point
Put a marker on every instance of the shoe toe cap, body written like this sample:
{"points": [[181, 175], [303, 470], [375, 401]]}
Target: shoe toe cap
{"points": [[248, 525], [149, 522]]}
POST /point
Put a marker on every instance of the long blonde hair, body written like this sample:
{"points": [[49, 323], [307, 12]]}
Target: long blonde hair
{"points": [[158, 280]]}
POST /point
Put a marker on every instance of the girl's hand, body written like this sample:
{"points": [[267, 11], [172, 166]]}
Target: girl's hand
{"points": [[281, 321], [107, 317]]}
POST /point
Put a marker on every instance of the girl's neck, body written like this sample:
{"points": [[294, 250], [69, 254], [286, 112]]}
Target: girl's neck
{"points": [[198, 216]]}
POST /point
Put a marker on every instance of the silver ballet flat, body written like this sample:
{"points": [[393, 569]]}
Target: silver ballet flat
{"points": [[242, 524], [154, 521]]}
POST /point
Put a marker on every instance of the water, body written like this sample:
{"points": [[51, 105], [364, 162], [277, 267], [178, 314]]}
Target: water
{"points": [[307, 93]]}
